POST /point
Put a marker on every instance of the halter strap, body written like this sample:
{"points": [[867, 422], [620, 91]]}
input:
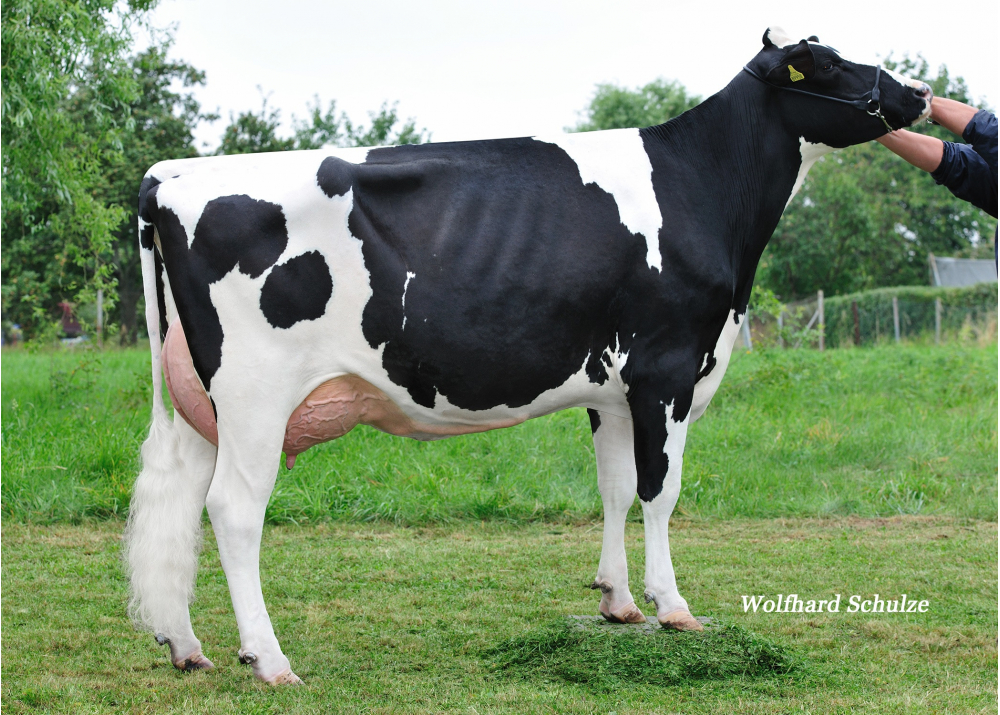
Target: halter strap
{"points": [[868, 103]]}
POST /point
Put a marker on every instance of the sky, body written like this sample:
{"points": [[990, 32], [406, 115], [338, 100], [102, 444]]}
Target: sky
{"points": [[477, 70]]}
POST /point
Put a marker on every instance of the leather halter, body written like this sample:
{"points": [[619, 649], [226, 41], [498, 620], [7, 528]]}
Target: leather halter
{"points": [[868, 103]]}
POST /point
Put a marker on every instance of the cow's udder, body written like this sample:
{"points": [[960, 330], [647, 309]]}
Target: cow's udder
{"points": [[331, 410]]}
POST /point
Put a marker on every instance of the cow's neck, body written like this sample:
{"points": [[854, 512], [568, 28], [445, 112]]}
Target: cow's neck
{"points": [[734, 161]]}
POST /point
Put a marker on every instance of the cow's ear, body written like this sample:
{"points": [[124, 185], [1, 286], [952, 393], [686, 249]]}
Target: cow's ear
{"points": [[796, 64]]}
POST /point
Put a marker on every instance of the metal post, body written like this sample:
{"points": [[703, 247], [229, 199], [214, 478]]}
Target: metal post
{"points": [[746, 332], [935, 276], [100, 317], [857, 323], [937, 321], [781, 327], [822, 322], [895, 316]]}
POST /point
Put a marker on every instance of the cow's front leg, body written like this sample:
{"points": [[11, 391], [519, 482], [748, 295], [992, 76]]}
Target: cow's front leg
{"points": [[616, 481], [660, 432], [250, 438]]}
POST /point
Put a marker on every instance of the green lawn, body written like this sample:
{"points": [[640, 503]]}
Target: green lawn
{"points": [[871, 432], [381, 618], [428, 577]]}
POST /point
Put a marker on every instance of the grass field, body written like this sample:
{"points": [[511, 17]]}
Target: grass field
{"points": [[380, 618], [429, 577], [871, 432]]}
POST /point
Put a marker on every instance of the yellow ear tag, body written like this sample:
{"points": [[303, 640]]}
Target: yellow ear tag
{"points": [[795, 74]]}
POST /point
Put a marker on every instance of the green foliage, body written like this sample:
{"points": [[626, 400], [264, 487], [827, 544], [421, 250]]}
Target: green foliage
{"points": [[326, 129], [258, 132], [65, 109], [164, 122], [605, 657], [865, 218], [796, 432], [252, 132], [614, 107], [968, 308]]}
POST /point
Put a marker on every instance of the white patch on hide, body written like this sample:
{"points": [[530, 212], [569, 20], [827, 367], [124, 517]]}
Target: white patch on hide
{"points": [[905, 81], [616, 161], [810, 154], [406, 284], [673, 446], [706, 387], [779, 37]]}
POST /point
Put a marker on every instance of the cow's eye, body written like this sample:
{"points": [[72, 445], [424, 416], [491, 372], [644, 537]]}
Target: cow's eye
{"points": [[827, 66]]}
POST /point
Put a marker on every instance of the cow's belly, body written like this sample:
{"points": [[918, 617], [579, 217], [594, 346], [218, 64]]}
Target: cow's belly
{"points": [[339, 404]]}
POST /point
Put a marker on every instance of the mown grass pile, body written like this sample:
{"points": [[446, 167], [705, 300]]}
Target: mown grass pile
{"points": [[609, 657], [871, 432]]}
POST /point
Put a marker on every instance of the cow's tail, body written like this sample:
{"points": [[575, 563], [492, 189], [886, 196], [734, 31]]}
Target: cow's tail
{"points": [[163, 533]]}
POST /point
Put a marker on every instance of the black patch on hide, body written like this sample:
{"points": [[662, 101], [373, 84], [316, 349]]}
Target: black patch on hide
{"points": [[297, 290]]}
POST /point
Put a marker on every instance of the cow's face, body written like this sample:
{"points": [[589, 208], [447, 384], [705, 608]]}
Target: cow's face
{"points": [[813, 68]]}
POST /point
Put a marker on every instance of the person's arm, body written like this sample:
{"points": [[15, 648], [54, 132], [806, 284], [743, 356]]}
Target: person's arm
{"points": [[953, 116], [921, 150]]}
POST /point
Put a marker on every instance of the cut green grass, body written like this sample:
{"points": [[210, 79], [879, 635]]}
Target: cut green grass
{"points": [[619, 656], [873, 432], [382, 619]]}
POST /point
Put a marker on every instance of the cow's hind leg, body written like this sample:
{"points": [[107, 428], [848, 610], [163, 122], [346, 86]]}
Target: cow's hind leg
{"points": [[616, 481], [250, 438], [163, 535], [660, 434]]}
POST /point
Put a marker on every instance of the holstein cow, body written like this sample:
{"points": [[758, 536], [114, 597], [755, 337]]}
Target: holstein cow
{"points": [[450, 288]]}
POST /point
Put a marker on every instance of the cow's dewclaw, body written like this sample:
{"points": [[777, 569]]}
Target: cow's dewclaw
{"points": [[680, 621], [625, 613]]}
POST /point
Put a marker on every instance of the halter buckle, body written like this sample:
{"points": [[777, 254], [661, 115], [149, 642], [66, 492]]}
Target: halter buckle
{"points": [[877, 112]]}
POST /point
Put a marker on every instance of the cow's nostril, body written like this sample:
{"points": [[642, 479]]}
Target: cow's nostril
{"points": [[924, 91]]}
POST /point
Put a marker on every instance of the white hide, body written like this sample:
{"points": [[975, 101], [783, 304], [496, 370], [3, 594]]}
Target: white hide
{"points": [[810, 154], [616, 161], [706, 387], [616, 481], [779, 37]]}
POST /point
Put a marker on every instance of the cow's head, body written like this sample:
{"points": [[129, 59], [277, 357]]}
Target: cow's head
{"points": [[818, 74]]}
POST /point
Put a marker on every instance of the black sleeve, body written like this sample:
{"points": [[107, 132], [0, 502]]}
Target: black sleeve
{"points": [[970, 170]]}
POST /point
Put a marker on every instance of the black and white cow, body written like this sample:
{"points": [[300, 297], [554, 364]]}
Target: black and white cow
{"points": [[449, 288]]}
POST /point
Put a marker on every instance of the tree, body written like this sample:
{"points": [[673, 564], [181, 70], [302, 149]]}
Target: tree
{"points": [[614, 107], [251, 132], [164, 123], [865, 218], [326, 129], [66, 95], [258, 132]]}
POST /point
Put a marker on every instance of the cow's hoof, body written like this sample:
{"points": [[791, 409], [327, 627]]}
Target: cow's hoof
{"points": [[629, 613], [285, 677], [680, 621], [195, 661]]}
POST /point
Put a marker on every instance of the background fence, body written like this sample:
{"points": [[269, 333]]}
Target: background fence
{"points": [[923, 314]]}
